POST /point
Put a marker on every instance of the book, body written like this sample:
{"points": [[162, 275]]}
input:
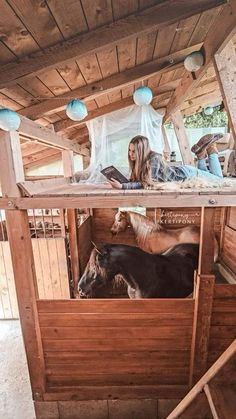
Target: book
{"points": [[111, 172]]}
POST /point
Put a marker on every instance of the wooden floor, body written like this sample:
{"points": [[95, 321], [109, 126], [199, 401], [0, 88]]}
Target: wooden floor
{"points": [[74, 195]]}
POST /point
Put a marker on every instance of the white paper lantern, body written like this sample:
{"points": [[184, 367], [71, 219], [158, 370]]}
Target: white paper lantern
{"points": [[9, 120], [208, 110], [76, 110], [142, 96], [194, 61]]}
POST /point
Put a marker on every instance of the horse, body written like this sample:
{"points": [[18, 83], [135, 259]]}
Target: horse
{"points": [[154, 238], [169, 275]]}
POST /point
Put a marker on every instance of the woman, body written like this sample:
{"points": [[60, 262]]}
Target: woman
{"points": [[148, 167]]}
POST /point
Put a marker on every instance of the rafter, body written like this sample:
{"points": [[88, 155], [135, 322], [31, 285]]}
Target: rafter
{"points": [[105, 86], [32, 130], [106, 36], [214, 40]]}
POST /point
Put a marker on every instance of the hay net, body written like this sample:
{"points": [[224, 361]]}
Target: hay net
{"points": [[110, 135]]}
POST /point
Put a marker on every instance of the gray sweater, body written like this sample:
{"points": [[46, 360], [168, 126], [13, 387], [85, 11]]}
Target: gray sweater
{"points": [[161, 172]]}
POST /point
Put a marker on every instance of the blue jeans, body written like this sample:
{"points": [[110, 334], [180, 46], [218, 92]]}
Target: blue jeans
{"points": [[201, 170]]}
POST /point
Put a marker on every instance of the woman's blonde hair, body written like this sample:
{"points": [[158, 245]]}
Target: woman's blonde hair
{"points": [[141, 168]]}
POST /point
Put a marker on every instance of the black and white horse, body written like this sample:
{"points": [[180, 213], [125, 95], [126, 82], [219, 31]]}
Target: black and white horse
{"points": [[168, 275]]}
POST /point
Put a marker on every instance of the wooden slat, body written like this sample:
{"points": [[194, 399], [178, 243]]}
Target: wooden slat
{"points": [[63, 268], [118, 306], [229, 248], [122, 332], [115, 319], [224, 290], [180, 357], [10, 279], [36, 18], [115, 392], [146, 344], [222, 319], [224, 306], [4, 292], [84, 44], [175, 377]]}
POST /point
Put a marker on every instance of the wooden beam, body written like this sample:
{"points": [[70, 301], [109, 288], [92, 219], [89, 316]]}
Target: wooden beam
{"points": [[207, 241], [182, 138], [38, 159], [104, 37], [115, 106], [221, 361], [93, 90], [225, 64], [43, 135], [110, 199], [11, 170], [72, 219], [214, 40], [201, 326]]}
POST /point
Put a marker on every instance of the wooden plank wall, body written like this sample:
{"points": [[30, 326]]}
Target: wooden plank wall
{"points": [[169, 217], [228, 255], [150, 343], [223, 321], [51, 272]]}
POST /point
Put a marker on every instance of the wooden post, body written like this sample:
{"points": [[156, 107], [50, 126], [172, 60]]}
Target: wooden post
{"points": [[182, 138], [201, 326], [11, 172], [225, 64], [72, 219], [167, 149], [207, 241], [86, 161]]}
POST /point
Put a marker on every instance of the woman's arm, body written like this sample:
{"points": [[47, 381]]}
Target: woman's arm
{"points": [[127, 185]]}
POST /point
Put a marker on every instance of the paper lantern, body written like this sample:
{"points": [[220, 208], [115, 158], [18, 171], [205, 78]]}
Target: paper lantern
{"points": [[142, 96], [76, 110], [208, 110], [9, 120], [194, 61]]}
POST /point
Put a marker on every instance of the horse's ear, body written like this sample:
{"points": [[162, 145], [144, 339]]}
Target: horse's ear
{"points": [[95, 247]]}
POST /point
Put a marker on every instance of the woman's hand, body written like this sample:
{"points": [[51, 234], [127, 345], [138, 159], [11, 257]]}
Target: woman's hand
{"points": [[115, 184]]}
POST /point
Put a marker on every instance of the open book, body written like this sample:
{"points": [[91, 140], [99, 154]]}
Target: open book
{"points": [[111, 172]]}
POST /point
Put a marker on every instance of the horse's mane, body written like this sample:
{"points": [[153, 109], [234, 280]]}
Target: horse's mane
{"points": [[143, 226], [143, 222]]}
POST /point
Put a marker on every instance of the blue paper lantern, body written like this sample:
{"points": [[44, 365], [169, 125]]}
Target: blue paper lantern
{"points": [[76, 110], [194, 61], [142, 96], [9, 120], [208, 110]]}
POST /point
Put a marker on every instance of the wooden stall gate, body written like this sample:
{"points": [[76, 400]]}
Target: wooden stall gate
{"points": [[106, 349], [51, 265]]}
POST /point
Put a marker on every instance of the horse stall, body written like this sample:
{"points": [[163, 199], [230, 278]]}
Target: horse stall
{"points": [[113, 356], [116, 353]]}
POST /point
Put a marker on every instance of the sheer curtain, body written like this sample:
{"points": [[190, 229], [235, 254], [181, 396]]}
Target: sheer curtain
{"points": [[110, 135]]}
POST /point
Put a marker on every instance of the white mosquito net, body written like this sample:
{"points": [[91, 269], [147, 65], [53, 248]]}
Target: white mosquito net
{"points": [[110, 135]]}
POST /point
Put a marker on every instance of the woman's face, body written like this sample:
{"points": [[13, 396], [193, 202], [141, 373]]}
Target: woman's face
{"points": [[132, 153]]}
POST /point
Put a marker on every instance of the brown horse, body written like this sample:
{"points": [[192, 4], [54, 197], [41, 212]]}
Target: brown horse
{"points": [[152, 237]]}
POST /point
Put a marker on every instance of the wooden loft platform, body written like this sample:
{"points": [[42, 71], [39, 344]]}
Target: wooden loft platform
{"points": [[61, 194], [86, 53]]}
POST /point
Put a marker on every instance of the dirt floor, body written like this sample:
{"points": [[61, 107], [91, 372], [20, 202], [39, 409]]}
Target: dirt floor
{"points": [[15, 391]]}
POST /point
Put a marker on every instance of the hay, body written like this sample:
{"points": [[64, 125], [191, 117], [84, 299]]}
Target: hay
{"points": [[193, 183]]}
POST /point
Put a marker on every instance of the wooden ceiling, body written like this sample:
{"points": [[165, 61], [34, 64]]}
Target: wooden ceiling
{"points": [[99, 51]]}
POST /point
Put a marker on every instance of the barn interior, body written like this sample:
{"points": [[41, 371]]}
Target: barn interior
{"points": [[161, 349]]}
